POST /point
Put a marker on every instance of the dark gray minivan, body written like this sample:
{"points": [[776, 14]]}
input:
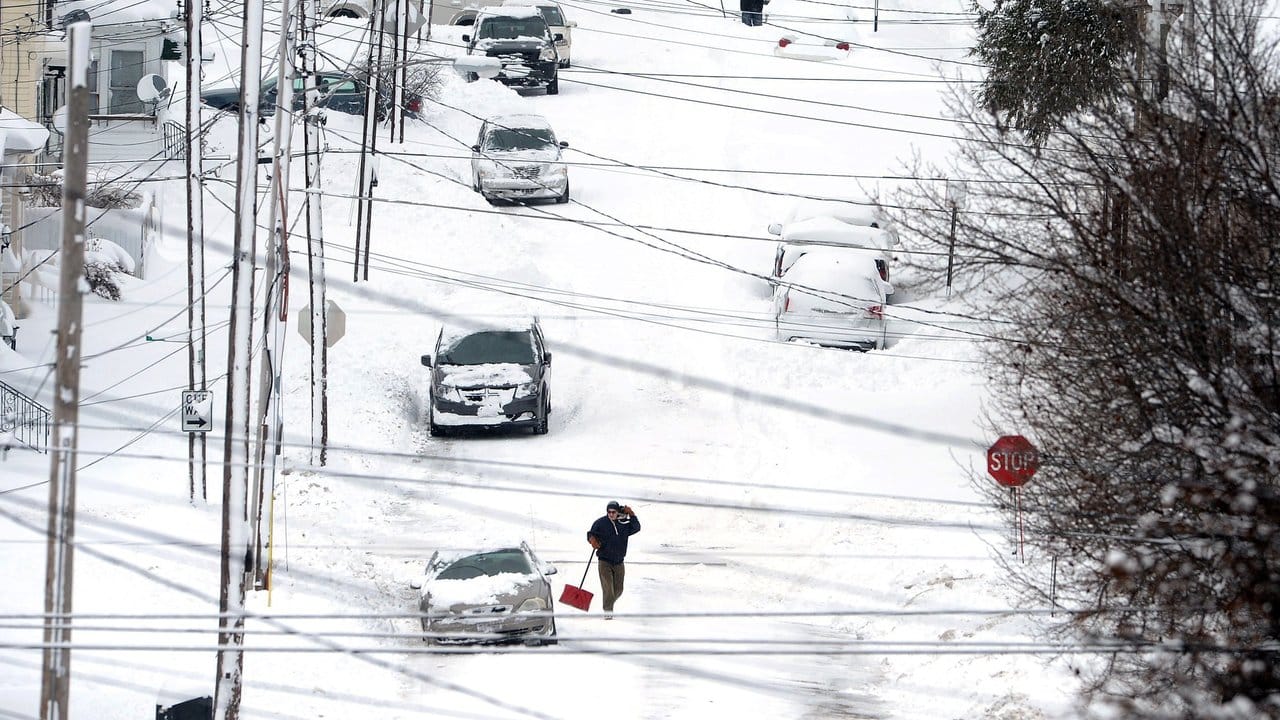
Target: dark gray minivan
{"points": [[490, 377]]}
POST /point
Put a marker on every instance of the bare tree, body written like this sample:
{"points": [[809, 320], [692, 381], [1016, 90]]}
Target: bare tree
{"points": [[1132, 266]]}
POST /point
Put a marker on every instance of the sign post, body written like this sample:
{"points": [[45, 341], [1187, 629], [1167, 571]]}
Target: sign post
{"points": [[1012, 460]]}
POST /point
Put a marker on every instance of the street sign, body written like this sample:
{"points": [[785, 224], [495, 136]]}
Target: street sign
{"points": [[335, 321], [197, 411], [1012, 460]]}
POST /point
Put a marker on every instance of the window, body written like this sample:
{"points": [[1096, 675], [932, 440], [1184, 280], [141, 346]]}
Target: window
{"points": [[126, 71], [551, 14]]}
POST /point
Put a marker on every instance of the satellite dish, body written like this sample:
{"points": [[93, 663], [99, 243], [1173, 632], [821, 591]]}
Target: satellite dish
{"points": [[75, 16], [60, 120], [152, 88]]}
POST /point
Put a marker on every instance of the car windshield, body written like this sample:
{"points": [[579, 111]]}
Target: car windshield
{"points": [[510, 28], [491, 563], [490, 346], [551, 14], [518, 139]]}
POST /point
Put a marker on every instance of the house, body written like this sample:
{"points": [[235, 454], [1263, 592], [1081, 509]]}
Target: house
{"points": [[131, 137]]}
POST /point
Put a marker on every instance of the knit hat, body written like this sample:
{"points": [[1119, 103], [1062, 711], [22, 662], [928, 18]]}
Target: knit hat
{"points": [[613, 505]]}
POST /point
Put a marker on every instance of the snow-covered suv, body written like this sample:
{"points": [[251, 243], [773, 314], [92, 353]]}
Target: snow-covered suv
{"points": [[517, 157], [490, 377], [518, 36]]}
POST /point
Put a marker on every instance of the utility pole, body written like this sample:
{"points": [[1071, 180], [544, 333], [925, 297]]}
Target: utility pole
{"points": [[235, 466], [55, 683], [369, 144], [275, 298], [315, 239], [197, 447], [402, 65]]}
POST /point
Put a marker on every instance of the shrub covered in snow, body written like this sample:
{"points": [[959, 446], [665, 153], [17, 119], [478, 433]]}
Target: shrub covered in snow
{"points": [[104, 191]]}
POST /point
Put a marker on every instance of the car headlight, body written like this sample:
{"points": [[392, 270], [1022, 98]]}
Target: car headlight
{"points": [[448, 392], [548, 54], [554, 169], [532, 605], [526, 389]]}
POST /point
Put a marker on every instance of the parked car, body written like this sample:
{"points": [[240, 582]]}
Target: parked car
{"points": [[517, 157], [520, 39], [338, 91], [833, 297], [561, 29], [495, 595], [494, 377], [823, 223]]}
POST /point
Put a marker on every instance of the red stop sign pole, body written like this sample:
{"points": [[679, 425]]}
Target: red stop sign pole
{"points": [[1012, 460]]}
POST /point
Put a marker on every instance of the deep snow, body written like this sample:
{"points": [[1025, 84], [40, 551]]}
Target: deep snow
{"points": [[799, 504]]}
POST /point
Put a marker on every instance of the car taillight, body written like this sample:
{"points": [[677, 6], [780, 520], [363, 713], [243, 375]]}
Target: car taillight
{"points": [[414, 105], [786, 306], [875, 311], [842, 46]]}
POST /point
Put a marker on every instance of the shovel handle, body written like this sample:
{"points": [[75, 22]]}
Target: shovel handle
{"points": [[588, 568]]}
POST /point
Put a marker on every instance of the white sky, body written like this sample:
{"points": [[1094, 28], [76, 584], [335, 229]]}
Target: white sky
{"points": [[796, 502]]}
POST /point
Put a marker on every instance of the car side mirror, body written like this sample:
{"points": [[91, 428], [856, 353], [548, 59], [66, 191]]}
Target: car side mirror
{"points": [[559, 37], [549, 569], [426, 361], [416, 583], [572, 24], [775, 228], [546, 357], [564, 143], [888, 289], [466, 38], [475, 148]]}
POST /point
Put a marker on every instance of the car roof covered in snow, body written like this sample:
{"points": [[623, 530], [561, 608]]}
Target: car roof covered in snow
{"points": [[509, 11], [827, 230], [860, 211], [519, 120], [451, 333]]}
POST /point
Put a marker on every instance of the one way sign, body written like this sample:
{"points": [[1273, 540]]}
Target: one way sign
{"points": [[197, 410]]}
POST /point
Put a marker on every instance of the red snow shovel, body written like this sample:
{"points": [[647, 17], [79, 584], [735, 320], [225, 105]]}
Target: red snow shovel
{"points": [[576, 596]]}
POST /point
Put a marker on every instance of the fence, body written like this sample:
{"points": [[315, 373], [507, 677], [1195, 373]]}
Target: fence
{"points": [[25, 418]]}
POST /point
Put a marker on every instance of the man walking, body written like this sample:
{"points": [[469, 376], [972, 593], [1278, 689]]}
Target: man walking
{"points": [[752, 12], [608, 536]]}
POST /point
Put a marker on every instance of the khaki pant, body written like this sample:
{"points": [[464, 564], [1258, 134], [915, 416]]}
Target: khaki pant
{"points": [[611, 579]]}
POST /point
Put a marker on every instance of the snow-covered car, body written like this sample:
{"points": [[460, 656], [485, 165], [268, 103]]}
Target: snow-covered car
{"points": [[561, 29], [519, 38], [517, 157], [490, 377], [495, 595], [828, 224], [833, 297]]}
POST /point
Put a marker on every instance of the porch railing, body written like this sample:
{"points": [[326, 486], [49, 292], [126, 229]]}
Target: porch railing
{"points": [[26, 419], [175, 140]]}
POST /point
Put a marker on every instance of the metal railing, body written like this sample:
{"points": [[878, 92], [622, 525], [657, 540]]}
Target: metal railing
{"points": [[175, 140], [25, 418]]}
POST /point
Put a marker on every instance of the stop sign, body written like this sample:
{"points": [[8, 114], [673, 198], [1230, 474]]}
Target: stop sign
{"points": [[1012, 460]]}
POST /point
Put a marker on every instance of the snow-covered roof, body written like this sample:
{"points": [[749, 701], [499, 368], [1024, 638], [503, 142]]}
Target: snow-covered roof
{"points": [[519, 120], [830, 230], [519, 11], [453, 333], [854, 212], [20, 135], [119, 11]]}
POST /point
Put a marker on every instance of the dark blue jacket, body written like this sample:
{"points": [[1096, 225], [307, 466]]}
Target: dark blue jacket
{"points": [[613, 536]]}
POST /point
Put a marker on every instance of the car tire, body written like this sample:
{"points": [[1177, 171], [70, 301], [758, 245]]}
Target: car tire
{"points": [[471, 77], [564, 64], [564, 197], [543, 425], [490, 199], [551, 638], [553, 87], [475, 183], [433, 429]]}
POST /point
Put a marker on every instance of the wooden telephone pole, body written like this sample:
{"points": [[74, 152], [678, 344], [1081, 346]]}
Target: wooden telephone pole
{"points": [[55, 684], [236, 457], [197, 446], [315, 239]]}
